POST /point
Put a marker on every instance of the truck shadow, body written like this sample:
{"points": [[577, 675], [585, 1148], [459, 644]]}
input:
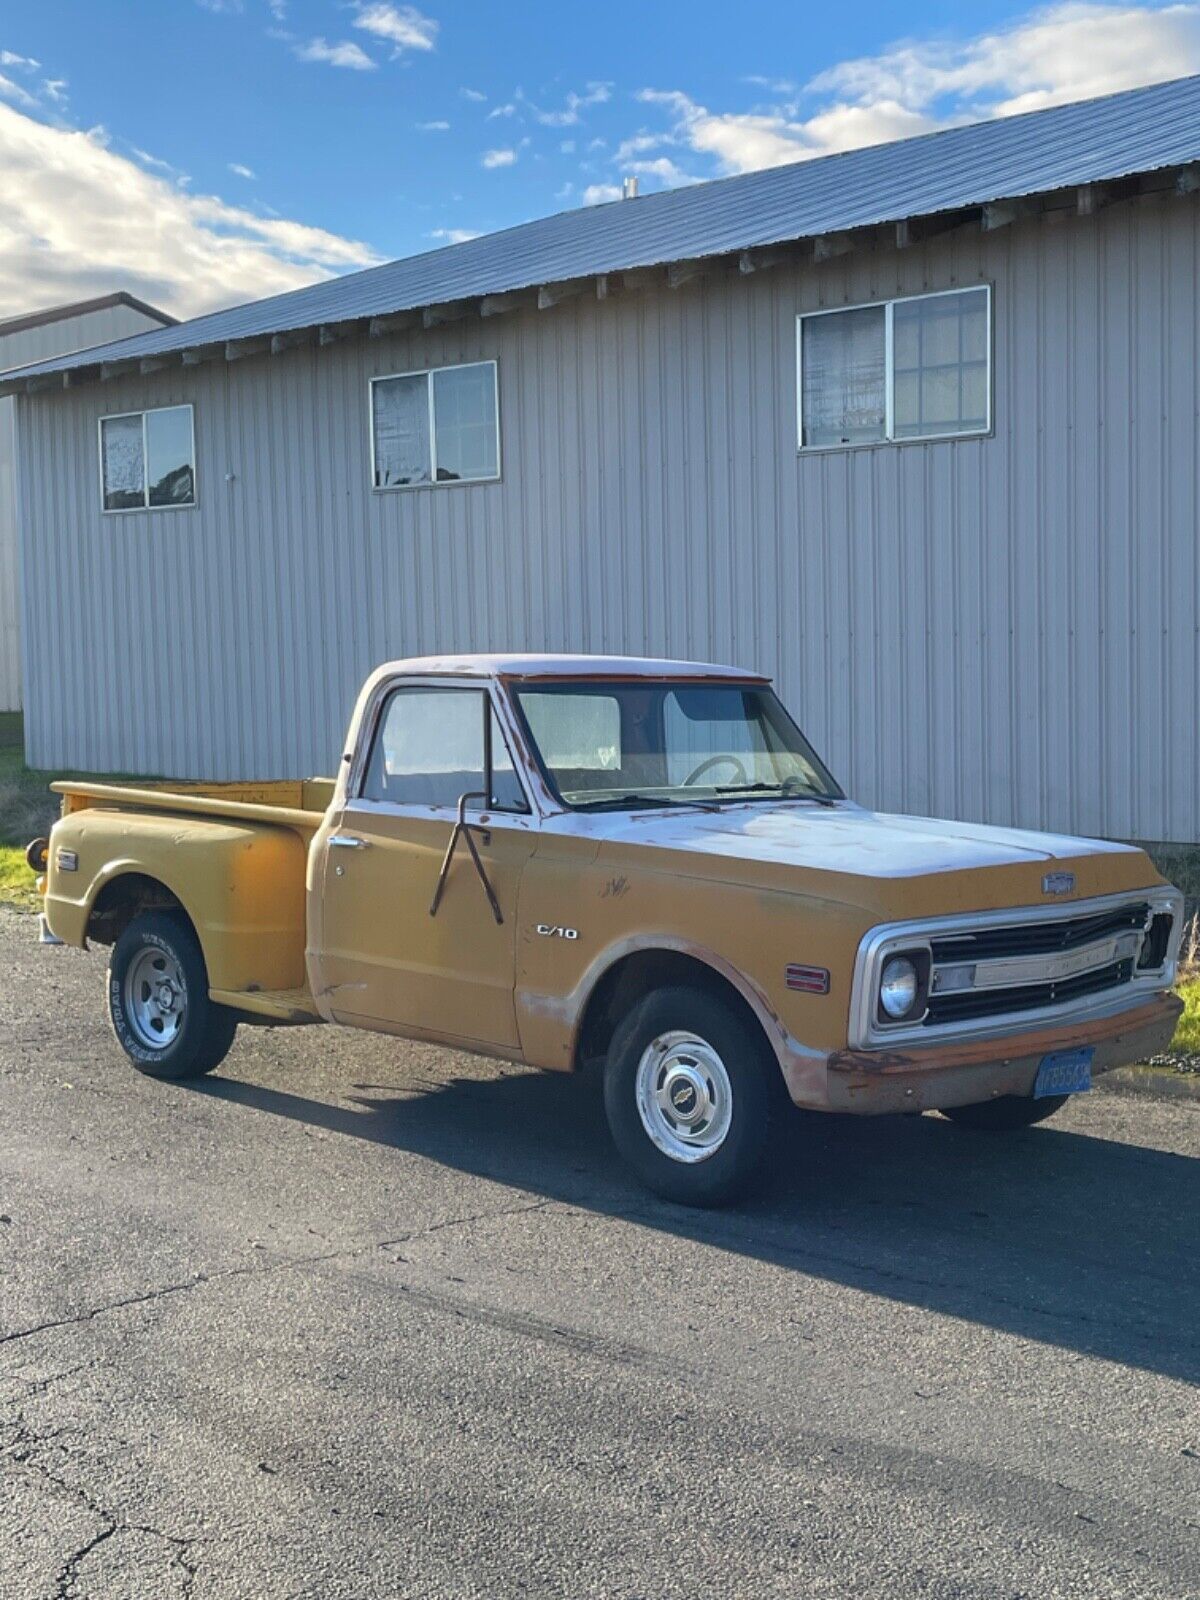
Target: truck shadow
{"points": [[1053, 1235]]}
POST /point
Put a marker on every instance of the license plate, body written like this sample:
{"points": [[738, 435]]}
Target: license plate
{"points": [[1064, 1072]]}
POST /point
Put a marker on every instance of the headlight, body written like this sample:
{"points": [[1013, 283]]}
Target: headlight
{"points": [[898, 986]]}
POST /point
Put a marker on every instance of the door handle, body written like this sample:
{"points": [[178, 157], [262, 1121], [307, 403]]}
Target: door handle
{"points": [[347, 841]]}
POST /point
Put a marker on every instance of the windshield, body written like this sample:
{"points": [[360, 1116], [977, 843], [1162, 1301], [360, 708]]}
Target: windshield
{"points": [[623, 745]]}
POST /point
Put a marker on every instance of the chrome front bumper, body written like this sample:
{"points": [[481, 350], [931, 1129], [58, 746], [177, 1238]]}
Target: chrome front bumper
{"points": [[873, 1083]]}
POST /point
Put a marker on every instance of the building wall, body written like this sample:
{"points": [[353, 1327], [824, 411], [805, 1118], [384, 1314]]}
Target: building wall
{"points": [[17, 350], [1001, 629]]}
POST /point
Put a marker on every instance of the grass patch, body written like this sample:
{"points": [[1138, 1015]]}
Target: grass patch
{"points": [[16, 880], [28, 809], [1187, 1034]]}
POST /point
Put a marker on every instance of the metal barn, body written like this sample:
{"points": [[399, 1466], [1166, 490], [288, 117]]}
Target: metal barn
{"points": [[23, 339], [912, 428]]}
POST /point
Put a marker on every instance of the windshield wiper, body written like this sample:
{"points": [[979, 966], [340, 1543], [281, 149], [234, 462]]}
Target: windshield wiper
{"points": [[786, 791], [643, 802]]}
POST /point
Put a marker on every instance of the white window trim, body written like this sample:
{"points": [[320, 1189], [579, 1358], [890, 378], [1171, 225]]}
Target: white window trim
{"points": [[133, 511], [427, 373], [889, 376]]}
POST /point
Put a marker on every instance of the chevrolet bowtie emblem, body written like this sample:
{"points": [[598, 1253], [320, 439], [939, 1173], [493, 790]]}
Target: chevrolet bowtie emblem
{"points": [[1058, 883]]}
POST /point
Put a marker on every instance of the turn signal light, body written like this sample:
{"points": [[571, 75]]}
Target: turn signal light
{"points": [[808, 980]]}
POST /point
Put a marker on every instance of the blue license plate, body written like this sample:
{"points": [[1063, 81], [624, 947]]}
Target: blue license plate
{"points": [[1064, 1072]]}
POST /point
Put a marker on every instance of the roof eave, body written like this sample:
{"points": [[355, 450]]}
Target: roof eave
{"points": [[900, 232]]}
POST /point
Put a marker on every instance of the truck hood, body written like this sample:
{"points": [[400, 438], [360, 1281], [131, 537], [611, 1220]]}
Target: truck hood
{"points": [[847, 839]]}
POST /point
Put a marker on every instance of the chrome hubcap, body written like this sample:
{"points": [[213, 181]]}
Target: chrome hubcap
{"points": [[684, 1096], [155, 998]]}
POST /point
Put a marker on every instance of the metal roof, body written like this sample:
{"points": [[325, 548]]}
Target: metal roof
{"points": [[80, 308], [1088, 142]]}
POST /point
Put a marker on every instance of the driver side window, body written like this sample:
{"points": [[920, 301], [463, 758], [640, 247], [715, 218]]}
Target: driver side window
{"points": [[429, 750]]}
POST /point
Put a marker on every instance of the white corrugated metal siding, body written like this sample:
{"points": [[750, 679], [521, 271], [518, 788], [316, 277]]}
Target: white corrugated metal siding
{"points": [[18, 349], [1002, 628]]}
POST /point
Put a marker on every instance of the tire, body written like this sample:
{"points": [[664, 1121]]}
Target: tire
{"points": [[700, 1043], [1006, 1113], [157, 976]]}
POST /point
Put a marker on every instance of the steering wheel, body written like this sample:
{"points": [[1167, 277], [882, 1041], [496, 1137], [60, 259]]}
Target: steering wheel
{"points": [[714, 761]]}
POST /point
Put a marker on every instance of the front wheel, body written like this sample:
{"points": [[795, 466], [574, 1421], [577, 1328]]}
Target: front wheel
{"points": [[158, 1000], [687, 1090], [1007, 1112]]}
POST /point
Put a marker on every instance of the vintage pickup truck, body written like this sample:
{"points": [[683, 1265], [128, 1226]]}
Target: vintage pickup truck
{"points": [[643, 864]]}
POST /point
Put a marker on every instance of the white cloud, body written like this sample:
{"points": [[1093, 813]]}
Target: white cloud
{"points": [[433, 127], [473, 94], [664, 170], [157, 164], [404, 27], [9, 58], [240, 170], [502, 111], [637, 144], [594, 95], [278, 9], [1059, 53], [10, 90], [454, 235], [497, 158], [81, 220], [345, 54], [1065, 52], [55, 89], [597, 193], [567, 147]]}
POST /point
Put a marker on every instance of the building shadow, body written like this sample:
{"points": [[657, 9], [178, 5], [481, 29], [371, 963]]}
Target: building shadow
{"points": [[1053, 1235]]}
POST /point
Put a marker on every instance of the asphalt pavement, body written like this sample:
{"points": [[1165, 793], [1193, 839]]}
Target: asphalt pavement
{"points": [[361, 1318]]}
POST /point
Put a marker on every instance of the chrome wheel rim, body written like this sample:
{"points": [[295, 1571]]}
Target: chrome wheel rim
{"points": [[155, 997], [684, 1096]]}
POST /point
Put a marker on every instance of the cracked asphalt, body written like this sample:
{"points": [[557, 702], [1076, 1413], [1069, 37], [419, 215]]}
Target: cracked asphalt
{"points": [[360, 1318]]}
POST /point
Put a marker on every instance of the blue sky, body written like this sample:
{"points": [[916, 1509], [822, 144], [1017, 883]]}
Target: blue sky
{"points": [[201, 152]]}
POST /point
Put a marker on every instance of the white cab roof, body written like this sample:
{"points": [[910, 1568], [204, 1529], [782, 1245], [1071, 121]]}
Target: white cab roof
{"points": [[562, 666]]}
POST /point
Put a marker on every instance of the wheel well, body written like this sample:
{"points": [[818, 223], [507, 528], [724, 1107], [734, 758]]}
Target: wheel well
{"points": [[632, 978], [122, 899]]}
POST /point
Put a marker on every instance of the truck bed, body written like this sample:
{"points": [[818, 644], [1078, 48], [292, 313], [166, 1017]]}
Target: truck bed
{"points": [[232, 856], [295, 803]]}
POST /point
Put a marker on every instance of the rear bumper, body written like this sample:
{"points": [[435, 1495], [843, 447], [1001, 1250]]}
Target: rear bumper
{"points": [[872, 1083]]}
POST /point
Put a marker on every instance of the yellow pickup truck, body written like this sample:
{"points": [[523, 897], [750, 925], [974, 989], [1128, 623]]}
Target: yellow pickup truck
{"points": [[643, 864]]}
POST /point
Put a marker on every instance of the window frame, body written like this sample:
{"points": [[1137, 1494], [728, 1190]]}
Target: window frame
{"points": [[889, 373], [598, 685], [372, 730], [144, 412], [427, 373]]}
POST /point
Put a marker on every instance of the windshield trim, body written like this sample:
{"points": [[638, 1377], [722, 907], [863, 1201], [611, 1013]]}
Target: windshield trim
{"points": [[702, 801]]}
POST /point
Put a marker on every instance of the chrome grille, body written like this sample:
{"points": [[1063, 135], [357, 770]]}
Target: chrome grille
{"points": [[1039, 938], [960, 1007], [999, 972]]}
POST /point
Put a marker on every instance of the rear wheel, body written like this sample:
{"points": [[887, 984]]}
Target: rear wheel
{"points": [[688, 1093], [1006, 1112], [158, 1000]]}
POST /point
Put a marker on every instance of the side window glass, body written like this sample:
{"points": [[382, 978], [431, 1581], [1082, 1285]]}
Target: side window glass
{"points": [[428, 748]]}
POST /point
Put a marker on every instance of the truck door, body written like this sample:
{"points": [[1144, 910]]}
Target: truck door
{"points": [[385, 960]]}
